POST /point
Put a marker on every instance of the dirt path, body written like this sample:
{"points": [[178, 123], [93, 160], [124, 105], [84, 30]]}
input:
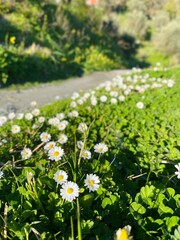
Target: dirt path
{"points": [[19, 100]]}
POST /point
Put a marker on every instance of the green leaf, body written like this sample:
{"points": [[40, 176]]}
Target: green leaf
{"points": [[171, 192], [106, 201], [177, 233], [164, 209], [87, 200], [171, 222], [137, 207], [147, 193]]}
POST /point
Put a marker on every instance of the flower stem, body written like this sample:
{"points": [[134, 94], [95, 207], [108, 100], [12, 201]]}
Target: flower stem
{"points": [[78, 221], [72, 228]]}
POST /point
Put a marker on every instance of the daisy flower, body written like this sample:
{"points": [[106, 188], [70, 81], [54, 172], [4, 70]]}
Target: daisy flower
{"points": [[123, 233], [92, 182], [82, 127], [113, 100], [15, 129], [86, 154], [69, 191], [20, 116], [62, 139], [103, 98], [121, 98], [33, 103], [41, 119], [3, 120], [53, 121], [45, 137], [80, 144], [35, 112], [26, 153], [49, 146], [28, 116], [73, 114], [11, 115], [60, 177], [178, 170], [140, 105], [100, 148], [73, 104], [56, 153], [60, 116], [61, 126]]}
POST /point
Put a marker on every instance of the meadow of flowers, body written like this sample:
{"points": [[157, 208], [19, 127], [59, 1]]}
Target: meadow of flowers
{"points": [[103, 164]]}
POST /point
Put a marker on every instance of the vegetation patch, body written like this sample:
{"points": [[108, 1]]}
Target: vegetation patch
{"points": [[102, 164]]}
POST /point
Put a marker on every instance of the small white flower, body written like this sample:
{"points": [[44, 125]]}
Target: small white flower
{"points": [[123, 233], [35, 112], [93, 101], [15, 129], [92, 182], [62, 139], [41, 119], [60, 116], [73, 114], [69, 191], [103, 98], [100, 148], [20, 116], [35, 126], [121, 98], [11, 115], [113, 94], [113, 100], [73, 104], [56, 153], [53, 121], [75, 95], [49, 146], [80, 144], [28, 116], [26, 153], [61, 126], [86, 154], [80, 101], [82, 127], [1, 174], [177, 166], [45, 137], [60, 177], [3, 120], [33, 103], [140, 105]]}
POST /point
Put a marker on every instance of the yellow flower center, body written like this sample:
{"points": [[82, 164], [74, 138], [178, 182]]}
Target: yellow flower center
{"points": [[123, 235], [85, 154], [25, 153], [70, 190], [100, 150], [60, 177], [56, 154], [91, 182], [51, 145]]}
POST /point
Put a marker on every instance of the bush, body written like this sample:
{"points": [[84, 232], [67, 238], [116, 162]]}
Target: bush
{"points": [[135, 25], [167, 40], [96, 60]]}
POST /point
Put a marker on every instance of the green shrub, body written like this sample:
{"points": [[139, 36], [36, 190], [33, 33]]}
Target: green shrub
{"points": [[96, 60], [167, 40]]}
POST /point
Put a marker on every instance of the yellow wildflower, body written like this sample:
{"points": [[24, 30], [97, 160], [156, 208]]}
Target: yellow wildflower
{"points": [[12, 40]]}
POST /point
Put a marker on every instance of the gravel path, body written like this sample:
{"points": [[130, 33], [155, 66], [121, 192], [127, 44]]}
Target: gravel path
{"points": [[19, 100]]}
